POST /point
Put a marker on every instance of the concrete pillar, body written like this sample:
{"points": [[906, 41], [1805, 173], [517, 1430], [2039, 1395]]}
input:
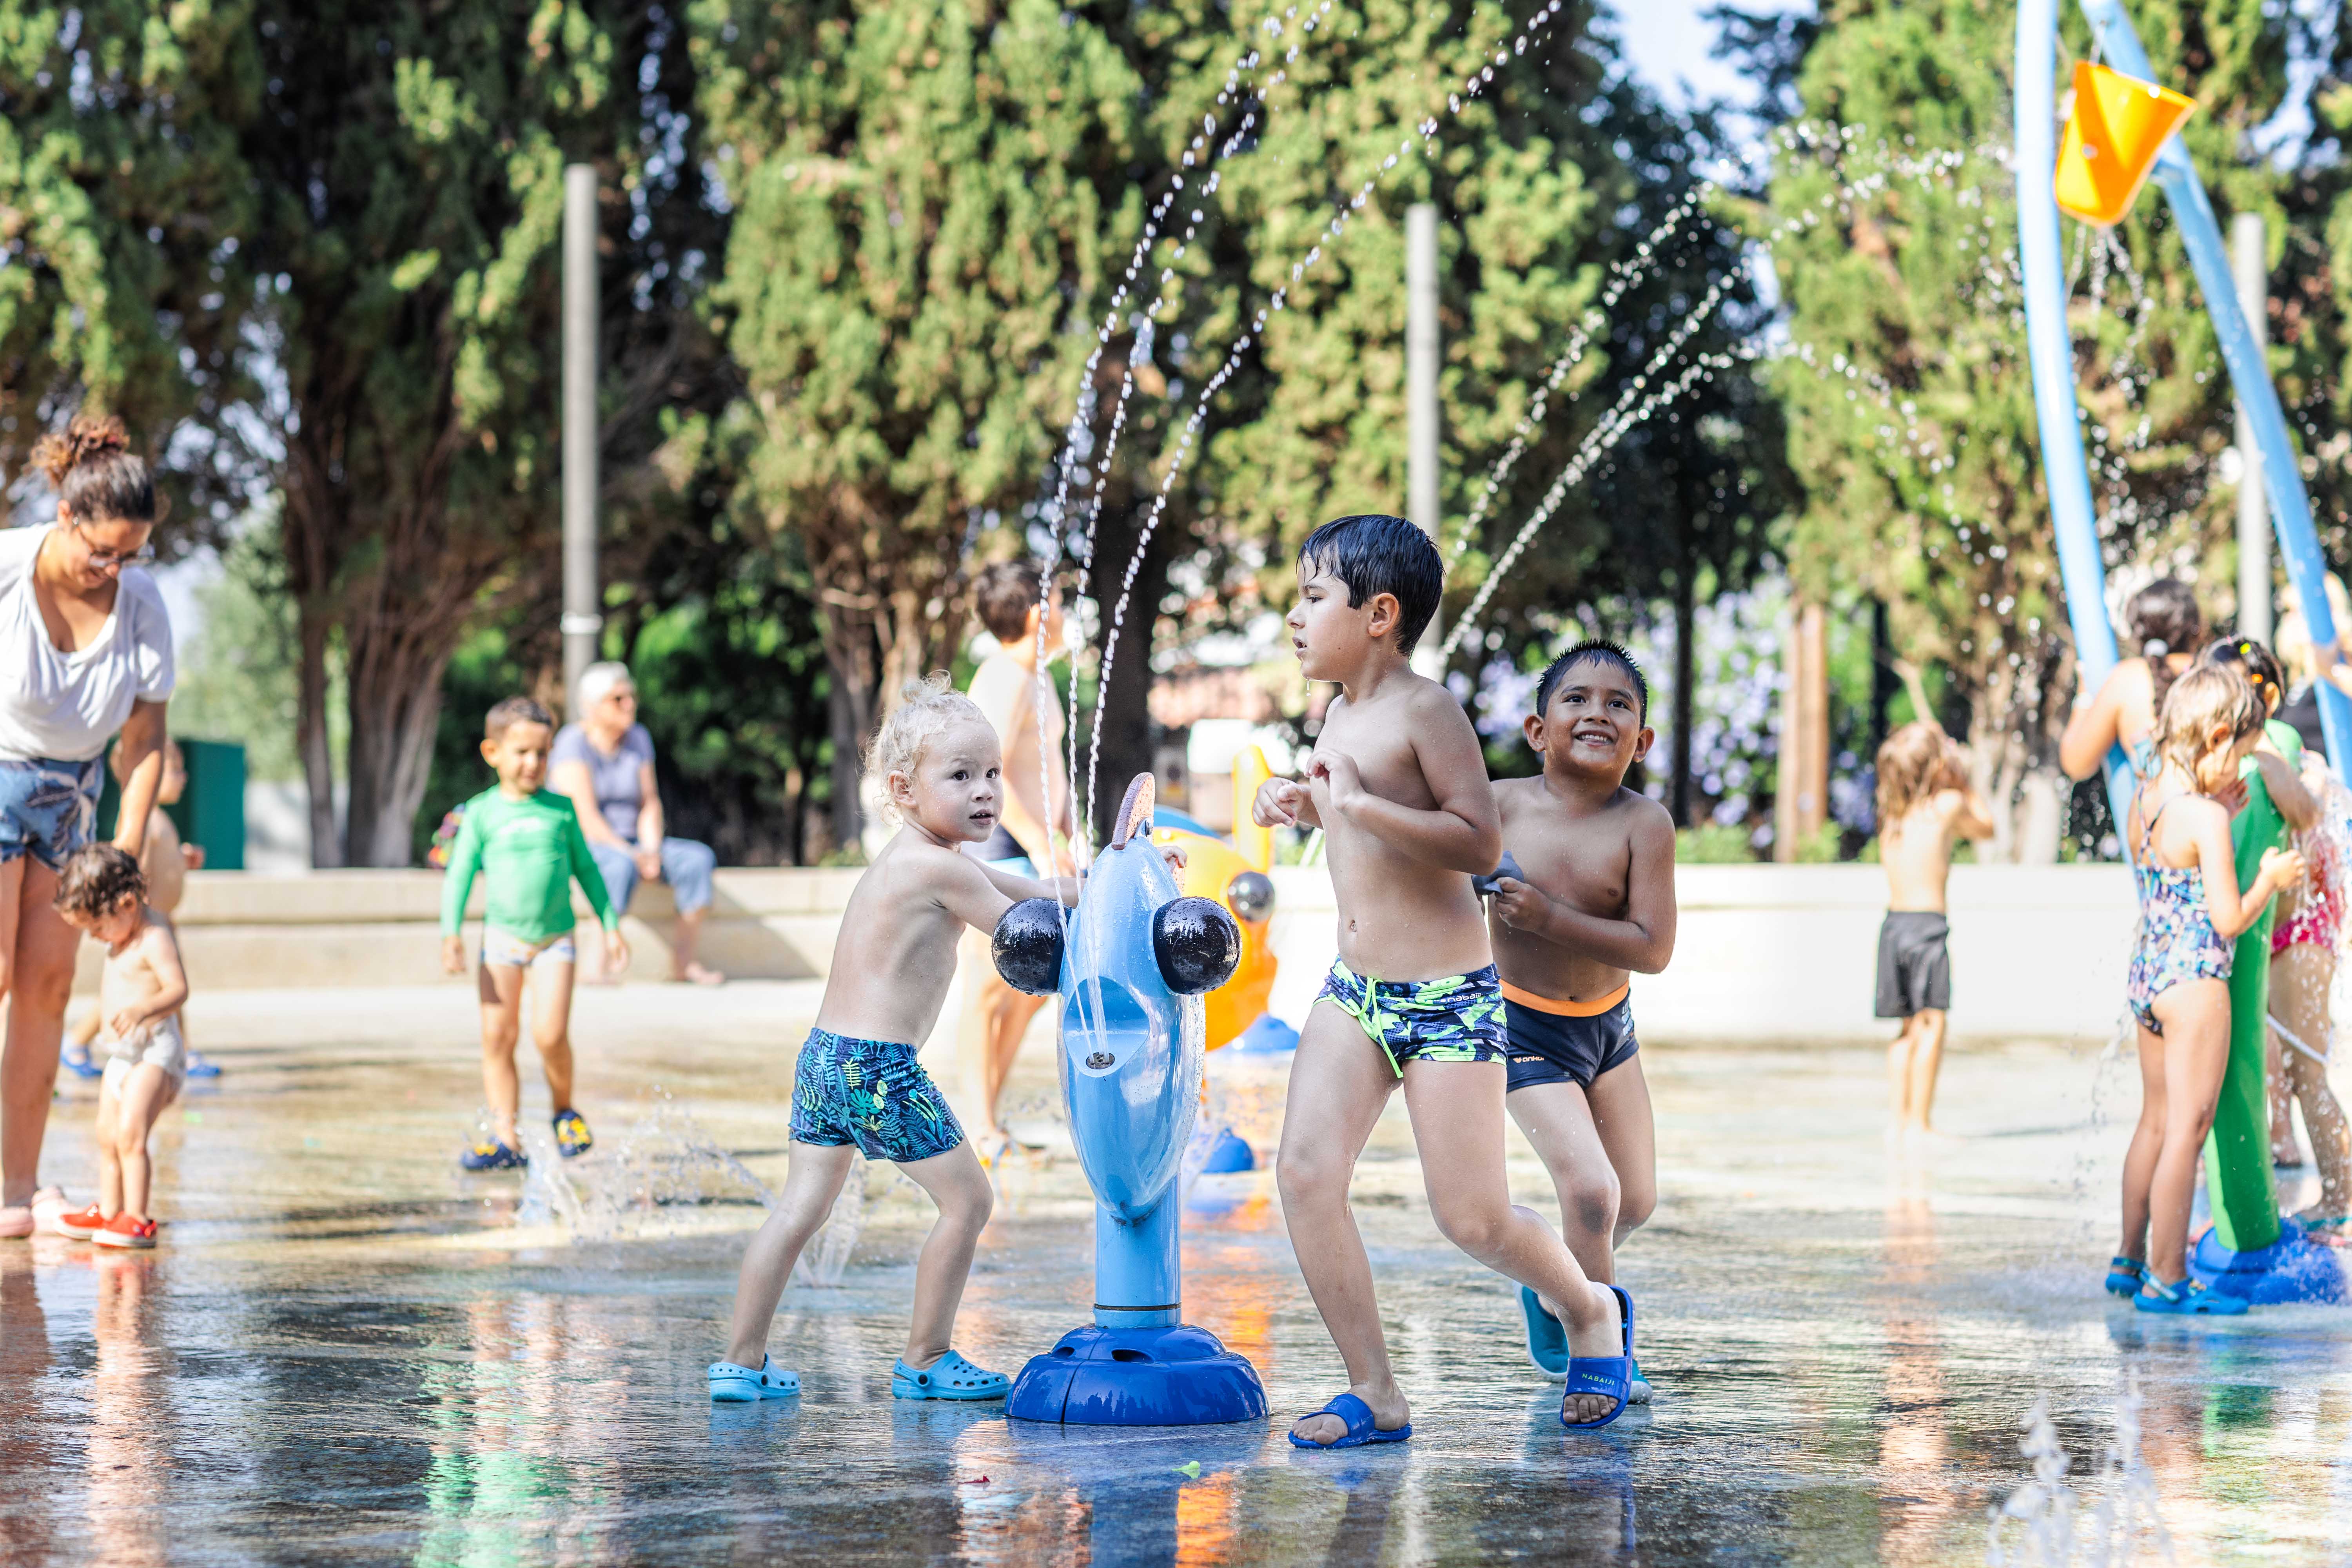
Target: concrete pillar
{"points": [[582, 596], [1802, 800], [1421, 367], [2250, 268]]}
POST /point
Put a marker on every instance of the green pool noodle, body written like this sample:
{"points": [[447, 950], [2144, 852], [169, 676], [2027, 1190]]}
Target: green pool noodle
{"points": [[2238, 1148]]}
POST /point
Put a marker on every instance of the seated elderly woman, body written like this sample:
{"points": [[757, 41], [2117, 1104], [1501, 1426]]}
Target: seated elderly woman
{"points": [[606, 764]]}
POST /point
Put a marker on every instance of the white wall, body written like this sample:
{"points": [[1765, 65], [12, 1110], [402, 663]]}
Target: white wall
{"points": [[1789, 952]]}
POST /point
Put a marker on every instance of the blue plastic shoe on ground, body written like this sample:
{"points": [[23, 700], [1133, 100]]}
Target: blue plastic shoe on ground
{"points": [[201, 1066], [2187, 1299], [492, 1157], [952, 1377], [1610, 1377], [2125, 1274], [1637, 1388], [571, 1138], [76, 1060], [1357, 1417], [734, 1385], [1546, 1341]]}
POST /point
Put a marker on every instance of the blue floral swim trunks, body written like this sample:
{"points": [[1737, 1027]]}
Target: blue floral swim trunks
{"points": [[48, 808], [1457, 1019], [871, 1093]]}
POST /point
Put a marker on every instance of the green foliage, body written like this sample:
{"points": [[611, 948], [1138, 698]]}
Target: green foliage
{"points": [[239, 681], [1714, 843], [120, 201], [1909, 397], [925, 199]]}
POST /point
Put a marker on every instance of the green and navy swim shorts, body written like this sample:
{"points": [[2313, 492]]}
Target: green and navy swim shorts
{"points": [[1457, 1019], [871, 1093]]}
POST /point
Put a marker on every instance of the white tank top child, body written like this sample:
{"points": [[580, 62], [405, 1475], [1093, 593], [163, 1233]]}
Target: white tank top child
{"points": [[67, 706]]}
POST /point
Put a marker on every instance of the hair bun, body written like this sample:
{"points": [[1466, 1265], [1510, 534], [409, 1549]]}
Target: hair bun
{"points": [[86, 439]]}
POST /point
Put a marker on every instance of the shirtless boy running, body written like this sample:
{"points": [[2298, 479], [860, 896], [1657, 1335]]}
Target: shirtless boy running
{"points": [[1398, 785], [1588, 896]]}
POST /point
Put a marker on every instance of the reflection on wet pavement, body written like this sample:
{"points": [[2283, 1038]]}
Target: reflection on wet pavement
{"points": [[346, 1351]]}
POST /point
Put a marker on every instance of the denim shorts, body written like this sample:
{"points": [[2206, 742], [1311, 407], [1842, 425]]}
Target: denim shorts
{"points": [[48, 808], [685, 866], [871, 1093]]}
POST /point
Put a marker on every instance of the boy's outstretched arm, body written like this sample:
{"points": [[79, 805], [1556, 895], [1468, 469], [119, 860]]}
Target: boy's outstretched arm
{"points": [[1064, 889], [1969, 813], [1463, 832], [1644, 941]]}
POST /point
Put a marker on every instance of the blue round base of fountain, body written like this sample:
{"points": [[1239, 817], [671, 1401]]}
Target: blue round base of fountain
{"points": [[1094, 1376], [2291, 1268]]}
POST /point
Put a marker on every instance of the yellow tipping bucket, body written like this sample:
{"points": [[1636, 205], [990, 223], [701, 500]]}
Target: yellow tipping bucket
{"points": [[2112, 139]]}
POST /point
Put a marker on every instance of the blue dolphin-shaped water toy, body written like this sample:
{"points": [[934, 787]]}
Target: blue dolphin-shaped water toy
{"points": [[1130, 963]]}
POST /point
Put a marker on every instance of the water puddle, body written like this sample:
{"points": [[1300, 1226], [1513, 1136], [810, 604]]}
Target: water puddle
{"points": [[2112, 1519]]}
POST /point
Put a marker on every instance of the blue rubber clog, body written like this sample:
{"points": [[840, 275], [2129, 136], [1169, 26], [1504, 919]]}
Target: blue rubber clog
{"points": [[952, 1377], [734, 1385], [492, 1155], [1610, 1377], [2187, 1299], [1547, 1340], [1357, 1417], [2125, 1274]]}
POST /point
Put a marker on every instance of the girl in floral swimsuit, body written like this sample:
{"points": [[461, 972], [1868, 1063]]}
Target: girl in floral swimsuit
{"points": [[2190, 910]]}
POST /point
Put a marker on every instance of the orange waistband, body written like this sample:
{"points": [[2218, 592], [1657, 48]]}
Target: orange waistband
{"points": [[1559, 1008]]}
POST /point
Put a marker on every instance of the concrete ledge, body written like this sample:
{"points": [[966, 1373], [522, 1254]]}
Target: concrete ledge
{"points": [[1764, 953]]}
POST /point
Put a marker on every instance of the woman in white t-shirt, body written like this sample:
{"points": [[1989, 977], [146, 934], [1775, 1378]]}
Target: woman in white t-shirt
{"points": [[85, 651]]}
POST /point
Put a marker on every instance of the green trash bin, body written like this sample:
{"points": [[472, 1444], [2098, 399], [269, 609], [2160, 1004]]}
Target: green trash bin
{"points": [[210, 812]]}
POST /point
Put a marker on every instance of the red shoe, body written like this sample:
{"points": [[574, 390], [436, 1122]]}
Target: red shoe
{"points": [[126, 1229], [81, 1226]]}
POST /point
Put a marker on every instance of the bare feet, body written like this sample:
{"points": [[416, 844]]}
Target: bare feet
{"points": [[1388, 1413], [696, 974], [1598, 1331]]}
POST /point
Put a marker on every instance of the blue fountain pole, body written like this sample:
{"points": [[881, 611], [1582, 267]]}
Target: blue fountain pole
{"points": [[2072, 515], [2250, 376]]}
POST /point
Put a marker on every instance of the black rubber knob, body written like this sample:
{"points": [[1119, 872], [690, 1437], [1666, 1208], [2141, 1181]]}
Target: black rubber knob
{"points": [[1027, 946], [1197, 943], [1251, 894]]}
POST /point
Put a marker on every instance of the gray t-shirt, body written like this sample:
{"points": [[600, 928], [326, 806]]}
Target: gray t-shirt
{"points": [[618, 776]]}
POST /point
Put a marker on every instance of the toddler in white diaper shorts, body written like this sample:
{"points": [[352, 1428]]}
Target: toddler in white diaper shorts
{"points": [[102, 892]]}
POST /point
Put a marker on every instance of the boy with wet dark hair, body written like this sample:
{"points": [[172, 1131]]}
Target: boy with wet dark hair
{"points": [[1398, 783], [525, 841], [1585, 898]]}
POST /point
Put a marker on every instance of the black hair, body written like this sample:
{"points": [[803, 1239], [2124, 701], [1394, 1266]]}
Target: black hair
{"points": [[512, 711], [96, 475], [1004, 594], [2261, 666], [1373, 552], [2163, 619], [1591, 650]]}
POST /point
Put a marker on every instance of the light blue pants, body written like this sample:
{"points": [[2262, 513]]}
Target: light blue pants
{"points": [[685, 866]]}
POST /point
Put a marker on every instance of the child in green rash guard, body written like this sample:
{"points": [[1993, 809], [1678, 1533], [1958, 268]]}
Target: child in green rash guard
{"points": [[527, 841]]}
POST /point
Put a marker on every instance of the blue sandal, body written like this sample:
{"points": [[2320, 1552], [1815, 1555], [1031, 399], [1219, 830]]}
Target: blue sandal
{"points": [[2187, 1299], [950, 1377], [733, 1384], [2124, 1274], [1356, 1416], [1546, 1341], [1609, 1375]]}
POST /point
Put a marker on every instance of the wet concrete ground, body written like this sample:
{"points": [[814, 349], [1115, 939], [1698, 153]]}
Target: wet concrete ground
{"points": [[345, 1350]]}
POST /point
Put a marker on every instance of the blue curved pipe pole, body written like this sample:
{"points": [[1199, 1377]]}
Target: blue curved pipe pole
{"points": [[2250, 376], [2072, 515]]}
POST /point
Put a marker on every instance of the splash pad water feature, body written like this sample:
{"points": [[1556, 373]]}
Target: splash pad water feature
{"points": [[2249, 1252], [1130, 968]]}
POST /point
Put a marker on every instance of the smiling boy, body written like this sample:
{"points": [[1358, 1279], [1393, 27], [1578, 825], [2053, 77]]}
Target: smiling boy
{"points": [[1398, 783], [1593, 900]]}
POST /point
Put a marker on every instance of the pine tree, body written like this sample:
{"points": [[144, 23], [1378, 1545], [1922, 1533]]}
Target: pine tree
{"points": [[1892, 225]]}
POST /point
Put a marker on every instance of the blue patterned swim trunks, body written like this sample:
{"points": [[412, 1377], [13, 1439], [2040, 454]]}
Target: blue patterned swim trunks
{"points": [[871, 1093], [48, 807], [1457, 1019]]}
